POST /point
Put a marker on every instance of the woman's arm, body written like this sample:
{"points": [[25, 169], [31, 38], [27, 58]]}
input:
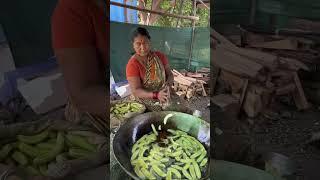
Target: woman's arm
{"points": [[83, 75], [137, 90]]}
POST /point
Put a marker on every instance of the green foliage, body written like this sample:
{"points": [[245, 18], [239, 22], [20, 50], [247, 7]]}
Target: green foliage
{"points": [[167, 21]]}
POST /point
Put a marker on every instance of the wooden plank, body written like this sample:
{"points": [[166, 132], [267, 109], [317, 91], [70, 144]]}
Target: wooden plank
{"points": [[203, 91], [215, 78], [294, 64], [233, 80], [183, 87], [298, 95], [203, 70], [190, 93], [286, 89], [175, 86], [224, 100], [221, 38], [244, 91], [257, 98], [235, 63], [265, 59], [177, 72], [287, 44], [189, 79], [194, 75], [183, 81], [253, 104], [181, 93]]}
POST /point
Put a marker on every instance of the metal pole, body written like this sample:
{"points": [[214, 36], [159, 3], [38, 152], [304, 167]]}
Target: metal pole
{"points": [[193, 31], [193, 18]]}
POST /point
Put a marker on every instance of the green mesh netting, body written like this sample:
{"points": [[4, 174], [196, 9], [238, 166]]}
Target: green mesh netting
{"points": [[238, 12], [173, 42]]}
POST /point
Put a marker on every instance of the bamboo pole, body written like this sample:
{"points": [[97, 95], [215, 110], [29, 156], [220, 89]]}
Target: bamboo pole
{"points": [[192, 35], [193, 18], [203, 4], [180, 10]]}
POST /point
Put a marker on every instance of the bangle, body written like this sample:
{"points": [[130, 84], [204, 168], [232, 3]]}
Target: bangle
{"points": [[155, 95]]}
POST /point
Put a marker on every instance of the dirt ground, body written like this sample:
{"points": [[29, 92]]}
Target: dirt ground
{"points": [[282, 130], [202, 104]]}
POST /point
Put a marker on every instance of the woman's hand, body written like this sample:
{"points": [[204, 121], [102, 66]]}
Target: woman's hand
{"points": [[163, 95]]}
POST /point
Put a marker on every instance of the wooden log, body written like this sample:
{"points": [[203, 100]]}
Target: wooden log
{"points": [[195, 75], [183, 88], [298, 95], [263, 58], [288, 44], [190, 93], [257, 99], [204, 93], [244, 92], [203, 70], [266, 59], [175, 86], [181, 93], [252, 104], [234, 81], [215, 78], [293, 64], [183, 81], [286, 89], [189, 78], [235, 63], [176, 72], [224, 100], [221, 38]]}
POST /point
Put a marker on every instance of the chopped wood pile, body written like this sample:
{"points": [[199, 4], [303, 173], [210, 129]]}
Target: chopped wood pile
{"points": [[255, 74], [188, 84]]}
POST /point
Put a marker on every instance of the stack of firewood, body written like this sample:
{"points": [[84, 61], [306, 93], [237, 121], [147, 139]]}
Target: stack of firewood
{"points": [[255, 77], [188, 84]]}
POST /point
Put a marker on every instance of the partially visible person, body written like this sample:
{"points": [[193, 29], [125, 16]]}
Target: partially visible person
{"points": [[80, 29]]}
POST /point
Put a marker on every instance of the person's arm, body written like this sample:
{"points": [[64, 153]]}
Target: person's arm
{"points": [[137, 89], [83, 75], [73, 41]]}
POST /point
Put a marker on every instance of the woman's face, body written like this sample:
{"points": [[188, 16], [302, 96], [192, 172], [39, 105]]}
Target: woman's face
{"points": [[141, 45]]}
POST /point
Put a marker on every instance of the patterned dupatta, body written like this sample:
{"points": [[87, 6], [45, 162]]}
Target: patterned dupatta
{"points": [[154, 79]]}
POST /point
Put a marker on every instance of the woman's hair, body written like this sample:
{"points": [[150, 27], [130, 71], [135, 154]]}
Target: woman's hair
{"points": [[140, 31]]}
